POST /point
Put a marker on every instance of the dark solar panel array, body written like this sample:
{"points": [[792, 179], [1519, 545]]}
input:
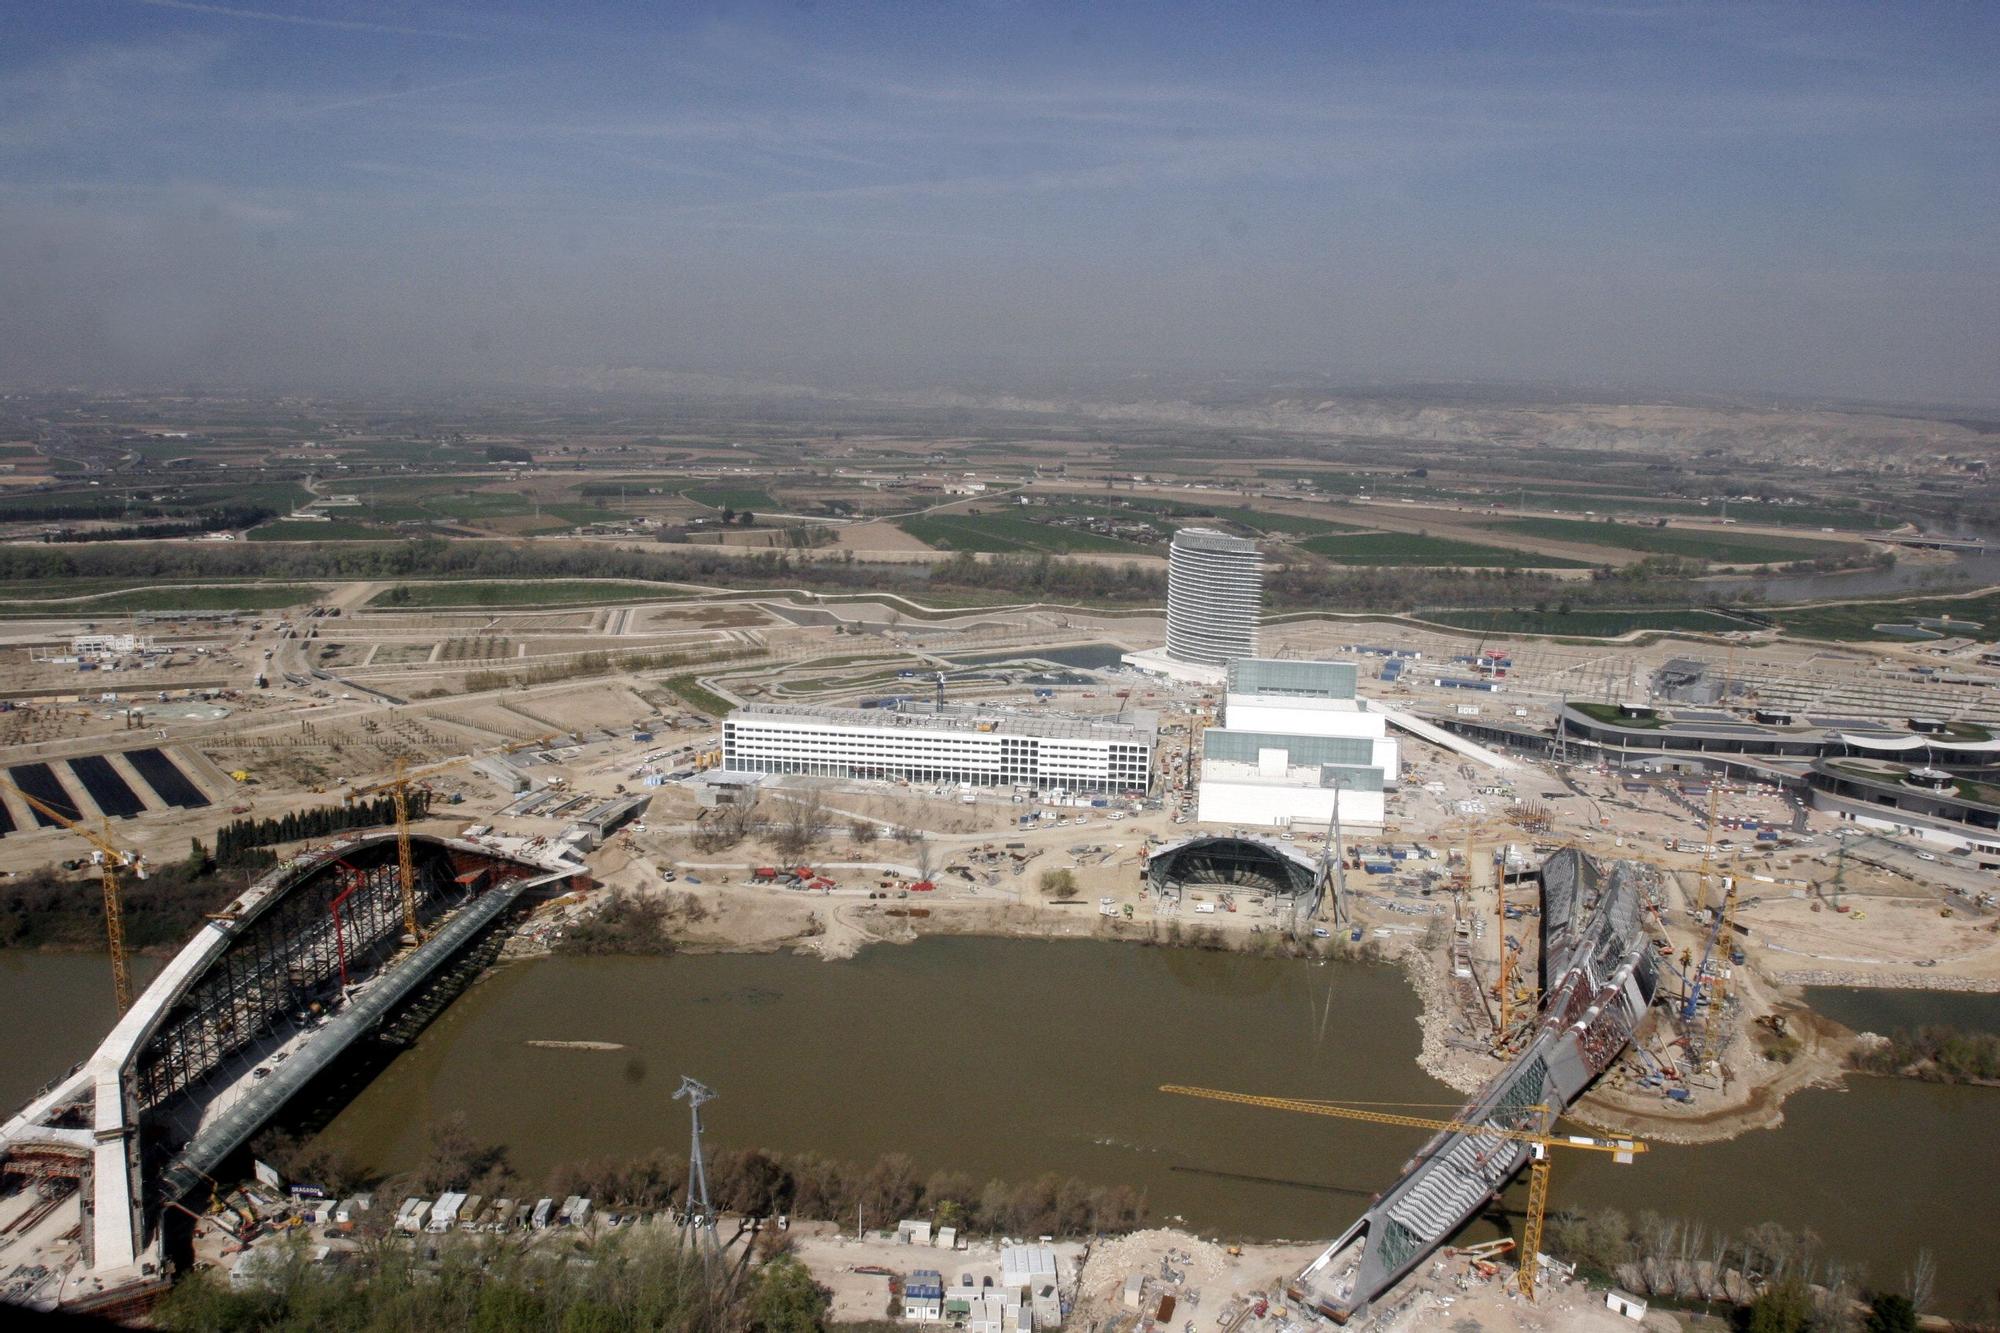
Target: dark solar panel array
{"points": [[114, 796], [166, 780], [40, 782]]}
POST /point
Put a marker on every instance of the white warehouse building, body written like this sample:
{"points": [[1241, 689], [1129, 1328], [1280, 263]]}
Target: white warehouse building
{"points": [[1262, 778], [1294, 739], [962, 743], [1307, 699]]}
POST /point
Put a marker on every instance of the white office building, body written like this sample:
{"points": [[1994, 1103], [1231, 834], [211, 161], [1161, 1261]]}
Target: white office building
{"points": [[1307, 699], [960, 743], [1215, 594], [1294, 739]]}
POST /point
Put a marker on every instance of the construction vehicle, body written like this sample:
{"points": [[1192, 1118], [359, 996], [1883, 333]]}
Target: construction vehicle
{"points": [[1539, 1143], [109, 858]]}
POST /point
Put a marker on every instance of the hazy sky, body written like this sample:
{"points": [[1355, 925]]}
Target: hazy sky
{"points": [[1702, 196]]}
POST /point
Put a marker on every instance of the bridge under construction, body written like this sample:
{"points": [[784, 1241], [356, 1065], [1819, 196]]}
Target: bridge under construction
{"points": [[311, 959], [1599, 978]]}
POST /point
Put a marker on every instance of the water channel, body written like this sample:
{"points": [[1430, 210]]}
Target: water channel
{"points": [[1911, 577], [1084, 656], [1007, 1059]]}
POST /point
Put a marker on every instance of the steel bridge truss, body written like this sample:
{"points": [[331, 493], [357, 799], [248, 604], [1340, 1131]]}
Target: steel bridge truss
{"points": [[291, 956]]}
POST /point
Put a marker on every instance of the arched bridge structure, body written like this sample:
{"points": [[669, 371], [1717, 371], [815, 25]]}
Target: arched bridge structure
{"points": [[309, 959]]}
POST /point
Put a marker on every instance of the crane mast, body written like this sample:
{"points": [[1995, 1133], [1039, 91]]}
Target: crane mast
{"points": [[1539, 1142], [398, 788], [406, 865], [114, 909]]}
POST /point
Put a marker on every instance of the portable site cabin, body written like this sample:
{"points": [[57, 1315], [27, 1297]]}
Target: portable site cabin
{"points": [[542, 1214], [1619, 1302], [923, 1296], [1032, 1268], [445, 1215]]}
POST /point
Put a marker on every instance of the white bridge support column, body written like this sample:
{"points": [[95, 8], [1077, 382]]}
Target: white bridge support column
{"points": [[115, 1235]]}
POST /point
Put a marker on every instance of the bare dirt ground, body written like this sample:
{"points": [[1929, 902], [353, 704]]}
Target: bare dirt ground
{"points": [[1213, 1285], [881, 535]]}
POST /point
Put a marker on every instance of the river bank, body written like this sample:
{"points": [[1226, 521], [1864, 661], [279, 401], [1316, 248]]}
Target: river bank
{"points": [[1746, 1094]]}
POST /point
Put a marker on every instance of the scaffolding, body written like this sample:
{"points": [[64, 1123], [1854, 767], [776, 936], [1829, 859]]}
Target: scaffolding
{"points": [[289, 958]]}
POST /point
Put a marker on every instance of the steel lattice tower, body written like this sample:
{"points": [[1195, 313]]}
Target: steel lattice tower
{"points": [[699, 1214]]}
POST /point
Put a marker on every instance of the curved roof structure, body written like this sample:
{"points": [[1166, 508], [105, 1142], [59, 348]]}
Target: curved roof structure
{"points": [[1902, 744], [1257, 864]]}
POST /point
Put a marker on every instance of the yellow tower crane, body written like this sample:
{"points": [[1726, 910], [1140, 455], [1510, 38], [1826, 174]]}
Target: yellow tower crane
{"points": [[112, 857], [1708, 846], [1725, 934], [1622, 1150], [398, 788]]}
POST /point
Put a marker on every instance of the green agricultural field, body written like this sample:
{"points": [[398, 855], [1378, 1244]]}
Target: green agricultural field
{"points": [[193, 597], [1407, 548], [448, 502], [1503, 495], [528, 592], [282, 496], [386, 512], [731, 497], [1010, 533], [1856, 621], [1592, 623], [693, 694], [1720, 545], [305, 530], [401, 488], [575, 514], [1290, 524], [478, 505], [1777, 515], [413, 451]]}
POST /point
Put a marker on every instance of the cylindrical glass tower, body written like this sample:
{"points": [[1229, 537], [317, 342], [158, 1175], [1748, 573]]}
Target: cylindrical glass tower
{"points": [[1215, 590]]}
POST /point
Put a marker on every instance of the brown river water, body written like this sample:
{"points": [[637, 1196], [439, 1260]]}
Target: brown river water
{"points": [[1010, 1058]]}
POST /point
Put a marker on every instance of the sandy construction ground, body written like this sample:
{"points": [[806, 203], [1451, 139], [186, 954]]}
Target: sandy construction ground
{"points": [[1213, 1286]]}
